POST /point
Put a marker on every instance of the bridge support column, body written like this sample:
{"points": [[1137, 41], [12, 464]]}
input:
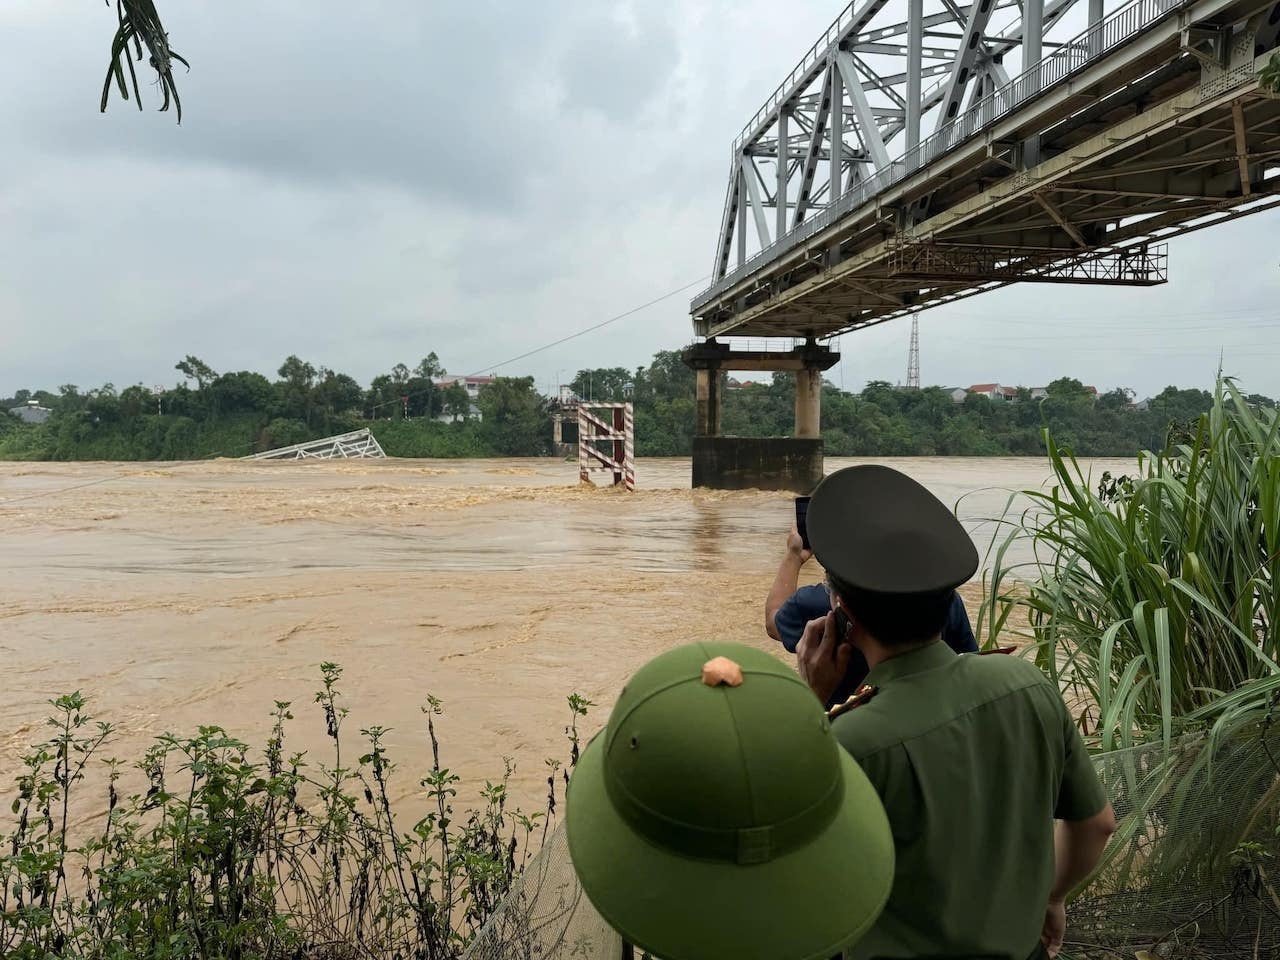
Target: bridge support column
{"points": [[710, 401], [762, 463], [809, 402]]}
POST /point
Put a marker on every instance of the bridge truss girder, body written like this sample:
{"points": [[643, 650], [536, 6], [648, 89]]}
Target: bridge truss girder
{"points": [[1133, 151], [852, 103]]}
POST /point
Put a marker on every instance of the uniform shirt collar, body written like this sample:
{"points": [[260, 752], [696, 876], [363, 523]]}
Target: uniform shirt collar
{"points": [[936, 654]]}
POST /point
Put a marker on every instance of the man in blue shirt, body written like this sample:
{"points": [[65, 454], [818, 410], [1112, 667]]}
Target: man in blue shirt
{"points": [[787, 611]]}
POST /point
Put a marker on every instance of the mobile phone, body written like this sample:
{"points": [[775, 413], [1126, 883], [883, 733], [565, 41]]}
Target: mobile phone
{"points": [[842, 626], [802, 516]]}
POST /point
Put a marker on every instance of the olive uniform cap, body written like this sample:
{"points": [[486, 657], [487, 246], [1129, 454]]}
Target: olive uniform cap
{"points": [[878, 530], [711, 820]]}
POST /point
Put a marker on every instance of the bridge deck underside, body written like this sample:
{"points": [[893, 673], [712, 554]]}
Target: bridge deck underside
{"points": [[1145, 152]]}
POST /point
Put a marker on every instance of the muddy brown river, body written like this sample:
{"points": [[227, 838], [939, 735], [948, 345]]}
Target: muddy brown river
{"points": [[181, 594]]}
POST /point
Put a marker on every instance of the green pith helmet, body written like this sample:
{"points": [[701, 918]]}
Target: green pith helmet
{"points": [[711, 820]]}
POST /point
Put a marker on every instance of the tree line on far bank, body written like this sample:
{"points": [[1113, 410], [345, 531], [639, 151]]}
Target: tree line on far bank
{"points": [[233, 414]]}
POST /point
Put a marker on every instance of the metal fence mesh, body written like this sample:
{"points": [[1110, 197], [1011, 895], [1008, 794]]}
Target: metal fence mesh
{"points": [[1193, 874], [546, 916]]}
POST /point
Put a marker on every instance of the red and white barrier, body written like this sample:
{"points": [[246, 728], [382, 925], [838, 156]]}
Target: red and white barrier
{"points": [[613, 426]]}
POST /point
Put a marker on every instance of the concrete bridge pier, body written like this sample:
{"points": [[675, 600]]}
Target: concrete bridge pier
{"points": [[809, 402], [710, 399], [764, 463]]}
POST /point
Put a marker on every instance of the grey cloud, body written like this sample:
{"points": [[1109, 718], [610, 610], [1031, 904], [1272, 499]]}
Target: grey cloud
{"points": [[361, 185], [449, 100], [619, 60]]}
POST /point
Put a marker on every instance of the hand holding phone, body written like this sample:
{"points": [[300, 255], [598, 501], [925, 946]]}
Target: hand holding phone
{"points": [[843, 626], [802, 515]]}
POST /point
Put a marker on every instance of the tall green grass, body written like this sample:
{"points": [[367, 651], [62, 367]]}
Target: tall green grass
{"points": [[1153, 597]]}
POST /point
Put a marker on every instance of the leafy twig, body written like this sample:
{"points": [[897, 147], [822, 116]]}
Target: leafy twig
{"points": [[138, 25]]}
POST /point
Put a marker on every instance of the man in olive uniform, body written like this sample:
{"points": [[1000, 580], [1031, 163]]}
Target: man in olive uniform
{"points": [[716, 815], [789, 608], [975, 757]]}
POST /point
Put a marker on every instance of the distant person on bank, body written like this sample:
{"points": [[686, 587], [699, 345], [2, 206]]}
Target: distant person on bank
{"points": [[787, 610]]}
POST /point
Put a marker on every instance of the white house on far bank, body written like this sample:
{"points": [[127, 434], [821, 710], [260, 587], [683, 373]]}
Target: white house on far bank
{"points": [[472, 385], [994, 391], [31, 412], [998, 391]]}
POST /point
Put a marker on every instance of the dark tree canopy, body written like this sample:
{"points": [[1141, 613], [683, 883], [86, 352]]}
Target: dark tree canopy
{"points": [[193, 368]]}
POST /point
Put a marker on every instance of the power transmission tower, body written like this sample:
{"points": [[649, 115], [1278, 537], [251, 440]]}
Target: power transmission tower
{"points": [[913, 361]]}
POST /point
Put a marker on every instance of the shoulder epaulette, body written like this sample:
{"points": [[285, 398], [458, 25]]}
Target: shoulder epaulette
{"points": [[862, 695]]}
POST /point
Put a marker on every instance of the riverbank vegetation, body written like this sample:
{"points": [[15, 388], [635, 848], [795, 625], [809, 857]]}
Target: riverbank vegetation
{"points": [[1164, 578], [234, 414], [227, 851], [1152, 600]]}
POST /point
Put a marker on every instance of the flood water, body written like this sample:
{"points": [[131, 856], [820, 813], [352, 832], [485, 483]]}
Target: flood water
{"points": [[180, 594]]}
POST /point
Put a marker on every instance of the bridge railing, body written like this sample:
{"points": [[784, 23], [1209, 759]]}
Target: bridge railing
{"points": [[811, 59], [1093, 43]]}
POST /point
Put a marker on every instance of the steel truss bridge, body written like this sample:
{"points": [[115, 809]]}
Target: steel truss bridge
{"points": [[1069, 141]]}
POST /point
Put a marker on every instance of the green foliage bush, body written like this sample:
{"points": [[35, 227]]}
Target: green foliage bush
{"points": [[22, 441], [514, 421], [283, 433], [416, 438], [231, 853]]}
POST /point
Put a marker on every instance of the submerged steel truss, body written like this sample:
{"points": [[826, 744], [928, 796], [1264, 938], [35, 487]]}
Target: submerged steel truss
{"points": [[1057, 133], [359, 444]]}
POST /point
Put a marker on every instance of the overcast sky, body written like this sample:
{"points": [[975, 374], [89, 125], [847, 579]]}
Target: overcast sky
{"points": [[361, 184]]}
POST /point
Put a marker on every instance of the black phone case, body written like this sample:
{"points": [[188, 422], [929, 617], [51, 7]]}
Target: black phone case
{"points": [[802, 516]]}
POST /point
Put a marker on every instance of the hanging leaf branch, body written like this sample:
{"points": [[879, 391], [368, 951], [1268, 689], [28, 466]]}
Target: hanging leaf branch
{"points": [[140, 26]]}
